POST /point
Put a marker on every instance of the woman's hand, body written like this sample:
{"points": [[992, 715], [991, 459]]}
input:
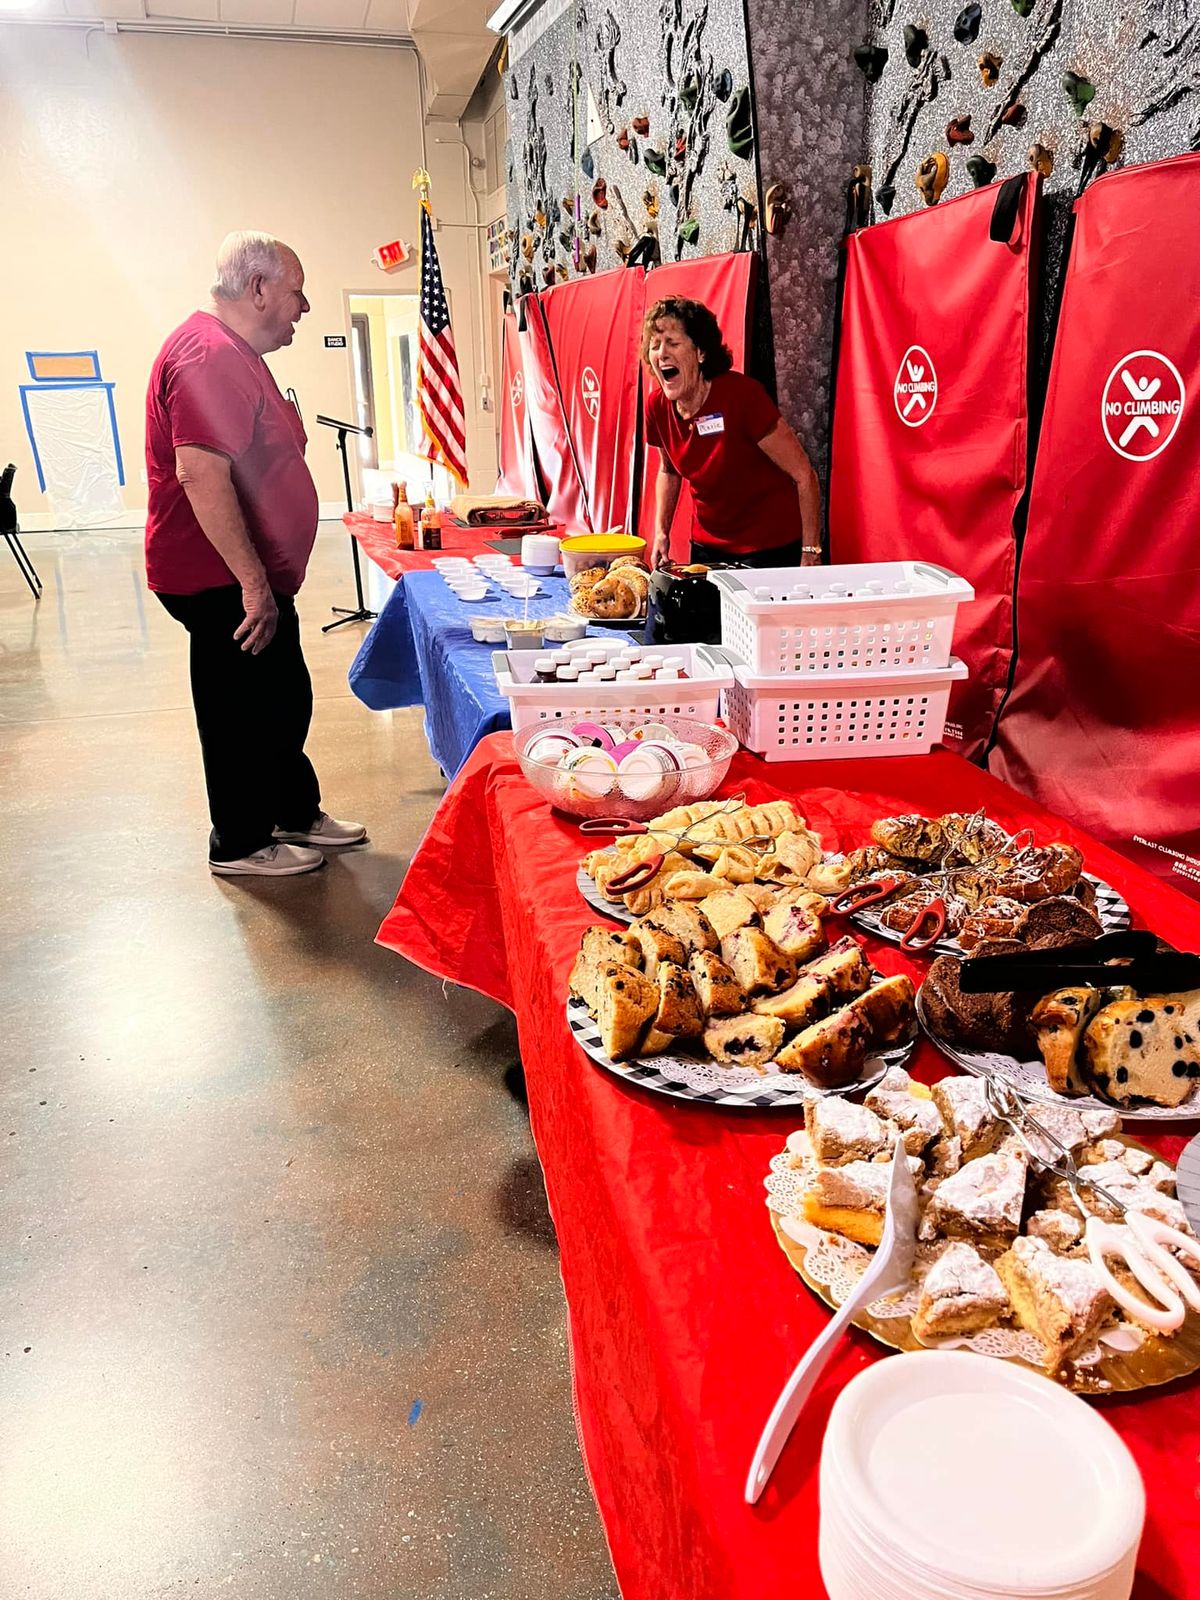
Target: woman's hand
{"points": [[783, 448]]}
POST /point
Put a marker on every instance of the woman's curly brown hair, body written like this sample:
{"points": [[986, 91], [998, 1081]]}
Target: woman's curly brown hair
{"points": [[701, 328]]}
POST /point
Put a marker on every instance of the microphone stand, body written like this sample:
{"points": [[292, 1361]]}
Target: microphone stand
{"points": [[343, 613]]}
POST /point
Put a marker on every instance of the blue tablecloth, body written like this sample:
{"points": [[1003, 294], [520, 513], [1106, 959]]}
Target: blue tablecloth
{"points": [[420, 652]]}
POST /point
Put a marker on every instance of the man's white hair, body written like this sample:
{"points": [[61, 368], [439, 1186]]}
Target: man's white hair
{"points": [[243, 257]]}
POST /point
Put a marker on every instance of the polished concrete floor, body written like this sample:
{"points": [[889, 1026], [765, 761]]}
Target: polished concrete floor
{"points": [[280, 1314]]}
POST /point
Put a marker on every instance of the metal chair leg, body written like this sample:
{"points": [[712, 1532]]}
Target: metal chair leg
{"points": [[27, 568]]}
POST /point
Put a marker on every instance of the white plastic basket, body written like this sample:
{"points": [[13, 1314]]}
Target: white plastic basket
{"points": [[865, 617], [697, 696], [806, 717]]}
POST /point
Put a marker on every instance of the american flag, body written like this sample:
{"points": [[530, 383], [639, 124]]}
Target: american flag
{"points": [[439, 393]]}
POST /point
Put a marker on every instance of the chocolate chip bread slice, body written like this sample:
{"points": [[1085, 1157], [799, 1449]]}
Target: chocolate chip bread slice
{"points": [[1143, 1050], [1058, 1021]]}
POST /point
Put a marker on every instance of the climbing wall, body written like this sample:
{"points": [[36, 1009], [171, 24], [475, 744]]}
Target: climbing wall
{"points": [[837, 83], [625, 120]]}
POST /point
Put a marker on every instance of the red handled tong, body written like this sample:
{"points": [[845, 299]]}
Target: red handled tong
{"points": [[927, 927], [643, 871]]}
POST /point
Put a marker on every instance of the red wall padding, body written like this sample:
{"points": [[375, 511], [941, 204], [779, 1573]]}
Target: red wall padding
{"points": [[1103, 724], [725, 284], [594, 325], [516, 474], [565, 499], [930, 298]]}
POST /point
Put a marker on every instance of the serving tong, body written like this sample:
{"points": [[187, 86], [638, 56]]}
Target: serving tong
{"points": [[930, 923], [1142, 1243], [1130, 957]]}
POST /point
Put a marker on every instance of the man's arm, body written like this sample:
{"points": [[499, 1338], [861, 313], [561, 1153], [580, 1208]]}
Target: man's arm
{"points": [[666, 498], [783, 448], [208, 483]]}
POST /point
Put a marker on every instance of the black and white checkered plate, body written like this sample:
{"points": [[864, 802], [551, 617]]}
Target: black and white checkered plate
{"points": [[1110, 909], [616, 909], [1028, 1078], [699, 1078]]}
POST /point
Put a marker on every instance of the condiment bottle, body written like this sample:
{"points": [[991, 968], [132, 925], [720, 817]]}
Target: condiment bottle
{"points": [[431, 525], [544, 669], [569, 674], [607, 673], [403, 519]]}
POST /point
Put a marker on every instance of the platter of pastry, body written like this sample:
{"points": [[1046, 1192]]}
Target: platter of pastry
{"points": [[1001, 1265], [737, 1019], [995, 885], [1081, 1044], [616, 593], [752, 856]]}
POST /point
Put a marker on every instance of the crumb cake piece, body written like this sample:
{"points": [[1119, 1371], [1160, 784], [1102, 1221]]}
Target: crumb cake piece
{"points": [[945, 1156], [910, 1106], [982, 1201], [961, 1294], [1059, 1299], [839, 1131], [1101, 1123], [1060, 1229], [966, 1114], [851, 1200], [1063, 1123]]}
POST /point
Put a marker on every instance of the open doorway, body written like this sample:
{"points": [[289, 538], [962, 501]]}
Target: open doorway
{"points": [[383, 331]]}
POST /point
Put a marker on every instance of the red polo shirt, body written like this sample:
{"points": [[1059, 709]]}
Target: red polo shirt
{"points": [[744, 502], [209, 388]]}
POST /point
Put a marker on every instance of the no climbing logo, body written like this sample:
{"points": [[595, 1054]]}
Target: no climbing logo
{"points": [[1142, 403], [915, 390], [589, 388]]}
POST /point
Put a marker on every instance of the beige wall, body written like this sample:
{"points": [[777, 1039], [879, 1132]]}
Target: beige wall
{"points": [[126, 159]]}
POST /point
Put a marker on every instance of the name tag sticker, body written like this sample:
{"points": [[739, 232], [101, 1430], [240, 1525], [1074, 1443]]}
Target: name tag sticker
{"points": [[713, 424]]}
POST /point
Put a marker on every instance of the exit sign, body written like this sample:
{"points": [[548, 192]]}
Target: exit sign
{"points": [[335, 341], [388, 256]]}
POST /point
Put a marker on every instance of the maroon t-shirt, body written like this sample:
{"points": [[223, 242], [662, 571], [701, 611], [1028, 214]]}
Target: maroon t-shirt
{"points": [[744, 502], [209, 388]]}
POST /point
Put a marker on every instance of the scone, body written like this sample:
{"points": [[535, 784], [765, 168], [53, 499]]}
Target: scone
{"points": [[744, 1041], [844, 965], [961, 1293], [626, 1001], [795, 929], [658, 945], [721, 995], [679, 1012], [830, 1053], [839, 1131], [756, 961], [727, 909], [600, 947], [1058, 1022], [803, 1002], [1142, 1050], [685, 922], [982, 1202], [1060, 1299]]}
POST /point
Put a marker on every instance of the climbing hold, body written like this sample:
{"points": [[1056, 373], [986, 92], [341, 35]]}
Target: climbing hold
{"points": [[680, 148], [621, 246], [916, 42], [870, 60], [650, 201], [722, 84], [587, 164], [641, 125], [600, 193], [1016, 116], [1108, 143], [525, 284], [589, 258], [594, 223], [567, 239], [1041, 160], [633, 151], [966, 24], [548, 275], [656, 162], [886, 197], [623, 139], [689, 231], [932, 177], [989, 68], [958, 130], [568, 204], [673, 191], [1079, 91], [689, 91], [563, 273], [778, 207], [981, 171], [739, 125], [539, 218], [1022, 7], [527, 247]]}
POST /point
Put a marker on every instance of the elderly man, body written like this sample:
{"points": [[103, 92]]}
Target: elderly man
{"points": [[231, 523]]}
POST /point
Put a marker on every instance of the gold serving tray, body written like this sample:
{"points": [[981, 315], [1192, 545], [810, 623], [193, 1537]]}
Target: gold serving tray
{"points": [[1155, 1361]]}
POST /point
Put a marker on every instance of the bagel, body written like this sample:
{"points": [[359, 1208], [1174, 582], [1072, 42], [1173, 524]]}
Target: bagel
{"points": [[629, 561], [588, 579], [613, 600], [639, 581]]}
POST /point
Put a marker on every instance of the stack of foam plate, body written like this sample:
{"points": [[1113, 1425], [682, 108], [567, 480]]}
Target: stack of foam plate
{"points": [[952, 1476]]}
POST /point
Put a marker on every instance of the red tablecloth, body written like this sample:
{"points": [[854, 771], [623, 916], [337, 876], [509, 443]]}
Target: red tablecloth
{"points": [[685, 1317], [378, 541]]}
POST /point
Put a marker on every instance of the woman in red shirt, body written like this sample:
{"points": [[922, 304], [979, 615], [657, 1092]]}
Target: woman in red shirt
{"points": [[756, 494]]}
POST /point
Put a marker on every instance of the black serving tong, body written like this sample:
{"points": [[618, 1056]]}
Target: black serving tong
{"points": [[1131, 957]]}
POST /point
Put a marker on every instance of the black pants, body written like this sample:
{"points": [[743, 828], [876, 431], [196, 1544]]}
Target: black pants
{"points": [[783, 555], [253, 714]]}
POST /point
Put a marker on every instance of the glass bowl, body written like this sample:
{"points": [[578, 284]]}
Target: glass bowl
{"points": [[588, 794]]}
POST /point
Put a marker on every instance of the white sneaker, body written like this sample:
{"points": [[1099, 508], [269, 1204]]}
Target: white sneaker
{"points": [[276, 861], [326, 830]]}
